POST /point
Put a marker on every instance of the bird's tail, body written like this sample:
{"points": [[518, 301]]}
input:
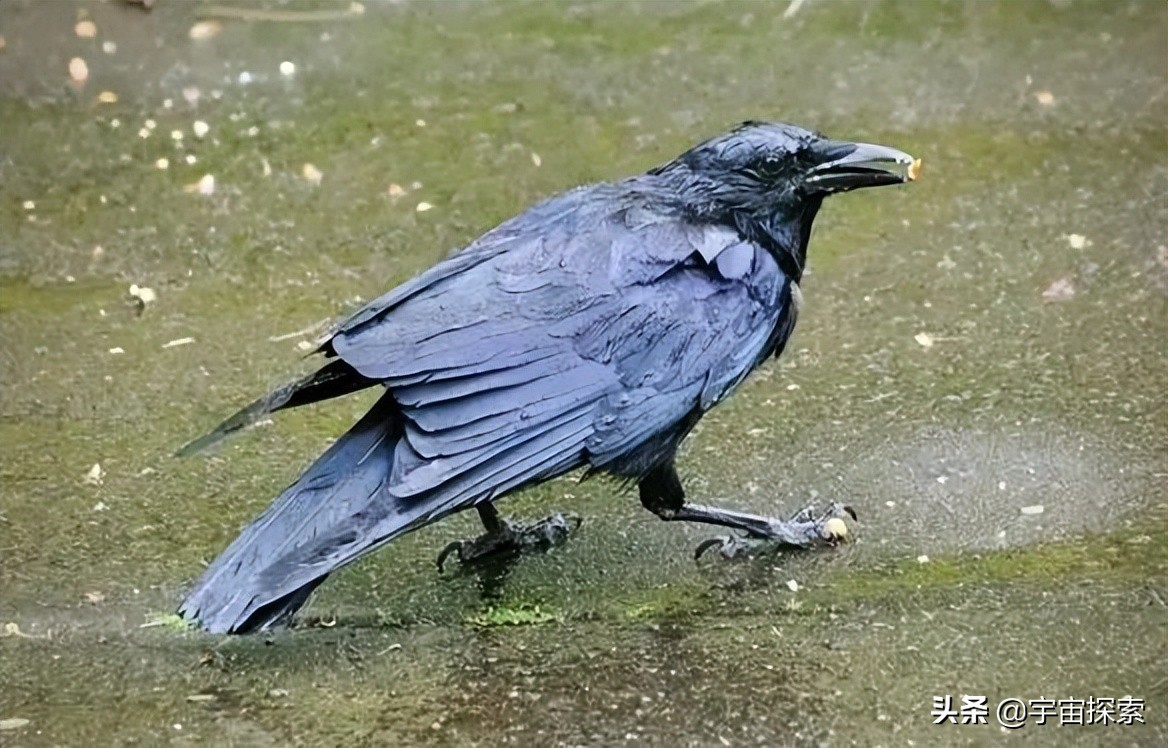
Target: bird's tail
{"points": [[332, 380], [334, 513]]}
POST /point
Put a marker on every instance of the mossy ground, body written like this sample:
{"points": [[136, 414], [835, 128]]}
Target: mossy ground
{"points": [[617, 636]]}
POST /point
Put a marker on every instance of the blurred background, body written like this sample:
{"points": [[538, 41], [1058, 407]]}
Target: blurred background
{"points": [[190, 191]]}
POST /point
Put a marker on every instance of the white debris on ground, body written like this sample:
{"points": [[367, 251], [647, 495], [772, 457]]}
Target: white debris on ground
{"points": [[311, 174], [94, 475], [1061, 289]]}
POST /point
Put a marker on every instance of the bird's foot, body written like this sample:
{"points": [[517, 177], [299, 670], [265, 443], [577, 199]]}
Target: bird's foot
{"points": [[512, 539], [806, 529]]}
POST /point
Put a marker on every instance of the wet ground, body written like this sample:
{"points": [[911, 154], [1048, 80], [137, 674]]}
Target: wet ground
{"points": [[979, 370]]}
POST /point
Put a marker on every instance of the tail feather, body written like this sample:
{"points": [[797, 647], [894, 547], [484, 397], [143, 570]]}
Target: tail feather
{"points": [[334, 379], [337, 511]]}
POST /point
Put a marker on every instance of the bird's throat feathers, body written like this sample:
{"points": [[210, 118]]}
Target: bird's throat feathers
{"points": [[783, 233], [778, 220]]}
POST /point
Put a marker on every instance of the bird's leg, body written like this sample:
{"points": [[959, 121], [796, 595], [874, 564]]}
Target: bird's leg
{"points": [[505, 539], [662, 494]]}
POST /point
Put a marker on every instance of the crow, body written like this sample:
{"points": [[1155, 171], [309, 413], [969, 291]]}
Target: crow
{"points": [[591, 331]]}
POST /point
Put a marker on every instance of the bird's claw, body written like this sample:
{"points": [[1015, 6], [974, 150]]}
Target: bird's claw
{"points": [[451, 548], [805, 529], [512, 539]]}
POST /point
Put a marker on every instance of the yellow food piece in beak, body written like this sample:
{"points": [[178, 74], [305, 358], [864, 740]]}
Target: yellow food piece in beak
{"points": [[914, 170]]}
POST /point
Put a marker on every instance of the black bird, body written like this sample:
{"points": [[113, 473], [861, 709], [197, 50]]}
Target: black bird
{"points": [[594, 330]]}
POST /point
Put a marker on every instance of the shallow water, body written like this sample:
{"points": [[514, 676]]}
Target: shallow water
{"points": [[930, 384]]}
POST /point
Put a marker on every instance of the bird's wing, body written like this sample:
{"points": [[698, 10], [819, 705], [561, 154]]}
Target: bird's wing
{"points": [[578, 340]]}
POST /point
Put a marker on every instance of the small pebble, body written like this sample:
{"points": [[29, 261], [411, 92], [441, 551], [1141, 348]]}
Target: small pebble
{"points": [[107, 97], [287, 69], [162, 163], [190, 159], [78, 70], [1032, 510], [395, 190], [792, 585], [144, 133], [835, 529], [150, 124], [535, 159], [176, 134], [311, 174], [143, 294], [925, 339], [109, 47], [116, 350], [85, 29], [205, 186], [1046, 98], [177, 342], [244, 78], [1077, 241], [28, 205], [200, 128], [423, 207], [13, 723], [922, 559], [205, 29]]}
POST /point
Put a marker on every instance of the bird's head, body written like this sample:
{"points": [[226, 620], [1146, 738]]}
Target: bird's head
{"points": [[769, 179]]}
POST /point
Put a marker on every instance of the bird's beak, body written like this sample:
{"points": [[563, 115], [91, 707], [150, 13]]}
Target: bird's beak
{"points": [[850, 166]]}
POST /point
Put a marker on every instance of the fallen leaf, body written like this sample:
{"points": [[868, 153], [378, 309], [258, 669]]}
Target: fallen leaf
{"points": [[94, 597], [423, 207], [13, 723], [792, 585], [177, 342], [1059, 290], [925, 339]]}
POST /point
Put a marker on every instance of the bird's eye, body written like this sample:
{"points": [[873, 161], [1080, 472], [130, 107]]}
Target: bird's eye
{"points": [[769, 168]]}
